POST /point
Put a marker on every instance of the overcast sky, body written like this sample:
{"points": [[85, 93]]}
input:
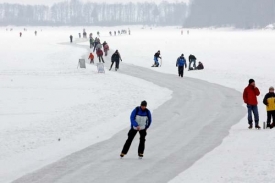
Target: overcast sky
{"points": [[50, 2]]}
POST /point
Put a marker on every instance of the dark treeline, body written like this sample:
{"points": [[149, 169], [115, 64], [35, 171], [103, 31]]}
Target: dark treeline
{"points": [[76, 13], [238, 13]]}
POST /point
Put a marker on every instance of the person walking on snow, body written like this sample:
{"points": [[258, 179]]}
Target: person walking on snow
{"points": [[269, 101], [99, 54], [95, 43], [105, 48], [91, 57], [141, 120], [115, 58], [156, 57], [250, 98], [181, 62], [192, 59], [92, 42]]}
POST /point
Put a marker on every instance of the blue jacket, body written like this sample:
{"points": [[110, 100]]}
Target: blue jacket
{"points": [[181, 61], [141, 118]]}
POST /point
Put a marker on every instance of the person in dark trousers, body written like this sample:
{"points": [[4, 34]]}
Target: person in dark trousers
{"points": [[269, 101], [71, 38], [92, 41], [99, 54], [115, 58], [181, 62], [141, 120], [156, 57], [192, 59], [250, 98], [20, 34], [95, 43], [200, 66], [105, 48]]}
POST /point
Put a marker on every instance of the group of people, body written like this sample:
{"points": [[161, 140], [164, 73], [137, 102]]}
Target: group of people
{"points": [[96, 45], [120, 32], [181, 63], [250, 99]]}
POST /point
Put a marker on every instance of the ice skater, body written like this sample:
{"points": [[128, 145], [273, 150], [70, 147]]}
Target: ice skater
{"points": [[156, 61], [115, 58], [71, 38], [181, 62], [141, 120], [91, 57], [105, 48]]}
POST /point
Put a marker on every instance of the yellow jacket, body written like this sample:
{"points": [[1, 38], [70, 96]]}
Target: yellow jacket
{"points": [[269, 101]]}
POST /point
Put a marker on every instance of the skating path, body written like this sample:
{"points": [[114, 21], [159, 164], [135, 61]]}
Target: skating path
{"points": [[184, 129]]}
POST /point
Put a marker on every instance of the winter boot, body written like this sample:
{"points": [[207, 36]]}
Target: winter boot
{"points": [[268, 126], [122, 155], [258, 127], [250, 126], [140, 155]]}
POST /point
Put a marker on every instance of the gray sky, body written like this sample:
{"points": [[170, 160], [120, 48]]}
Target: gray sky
{"points": [[49, 2]]}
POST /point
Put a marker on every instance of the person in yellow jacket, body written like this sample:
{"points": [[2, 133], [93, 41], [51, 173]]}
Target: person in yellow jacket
{"points": [[269, 101]]}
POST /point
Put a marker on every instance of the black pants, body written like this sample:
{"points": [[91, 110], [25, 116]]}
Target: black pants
{"points": [[131, 135], [101, 59], [112, 65], [117, 64], [181, 71], [270, 114]]}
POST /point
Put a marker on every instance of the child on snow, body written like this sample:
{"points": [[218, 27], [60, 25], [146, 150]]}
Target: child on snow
{"points": [[91, 56]]}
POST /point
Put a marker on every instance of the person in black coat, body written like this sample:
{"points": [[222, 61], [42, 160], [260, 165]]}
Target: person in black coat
{"points": [[200, 66], [71, 38], [115, 58], [192, 59]]}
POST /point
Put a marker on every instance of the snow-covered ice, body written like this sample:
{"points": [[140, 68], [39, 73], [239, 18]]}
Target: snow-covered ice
{"points": [[31, 77]]}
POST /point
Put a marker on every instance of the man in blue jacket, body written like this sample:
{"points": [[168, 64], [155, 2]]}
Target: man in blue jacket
{"points": [[181, 62], [141, 120]]}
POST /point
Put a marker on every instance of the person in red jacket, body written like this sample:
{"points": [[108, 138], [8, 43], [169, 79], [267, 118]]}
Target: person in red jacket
{"points": [[250, 98]]}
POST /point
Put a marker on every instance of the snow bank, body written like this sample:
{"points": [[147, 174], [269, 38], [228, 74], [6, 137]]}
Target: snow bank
{"points": [[50, 109]]}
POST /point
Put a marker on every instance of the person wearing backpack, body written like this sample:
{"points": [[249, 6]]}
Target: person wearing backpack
{"points": [[181, 62], [141, 120]]}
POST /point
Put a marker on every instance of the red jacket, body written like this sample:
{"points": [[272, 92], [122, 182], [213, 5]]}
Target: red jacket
{"points": [[99, 52], [250, 95]]}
